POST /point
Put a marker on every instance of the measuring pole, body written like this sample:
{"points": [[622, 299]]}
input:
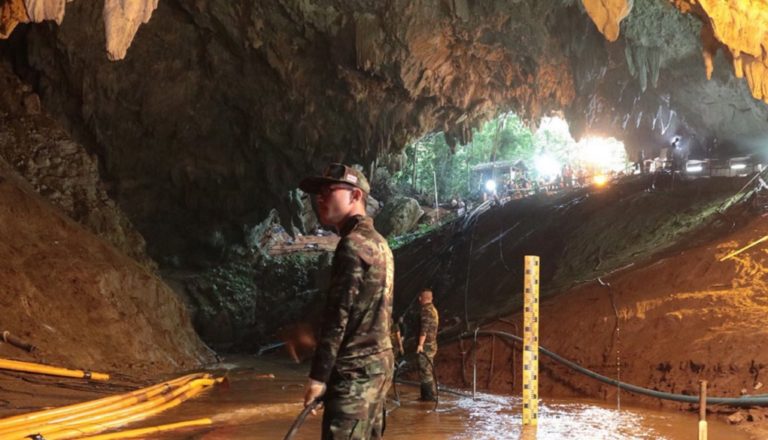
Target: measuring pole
{"points": [[703, 410], [531, 341]]}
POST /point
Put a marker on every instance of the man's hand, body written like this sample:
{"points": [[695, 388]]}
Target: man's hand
{"points": [[420, 349], [314, 390]]}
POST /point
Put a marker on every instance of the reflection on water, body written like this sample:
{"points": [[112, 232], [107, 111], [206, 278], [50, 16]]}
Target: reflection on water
{"points": [[254, 407]]}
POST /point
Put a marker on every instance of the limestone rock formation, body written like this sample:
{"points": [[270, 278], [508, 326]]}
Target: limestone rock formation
{"points": [[12, 12], [607, 15], [240, 306], [741, 27], [738, 26], [122, 19], [221, 107], [258, 94], [398, 217]]}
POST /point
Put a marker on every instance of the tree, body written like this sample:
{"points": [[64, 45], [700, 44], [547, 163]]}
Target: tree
{"points": [[500, 139]]}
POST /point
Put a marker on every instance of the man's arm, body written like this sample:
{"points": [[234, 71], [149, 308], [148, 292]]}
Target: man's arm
{"points": [[346, 277]]}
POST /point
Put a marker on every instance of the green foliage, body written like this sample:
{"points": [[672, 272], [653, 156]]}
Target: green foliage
{"points": [[430, 159]]}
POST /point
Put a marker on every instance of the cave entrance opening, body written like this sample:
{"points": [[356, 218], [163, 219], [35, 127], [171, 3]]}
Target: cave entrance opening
{"points": [[506, 158]]}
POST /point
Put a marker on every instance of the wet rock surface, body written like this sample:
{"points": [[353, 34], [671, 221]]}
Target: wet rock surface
{"points": [[582, 234], [242, 305]]}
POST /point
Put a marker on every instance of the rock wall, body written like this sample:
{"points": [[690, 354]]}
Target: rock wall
{"points": [[220, 108], [59, 168]]}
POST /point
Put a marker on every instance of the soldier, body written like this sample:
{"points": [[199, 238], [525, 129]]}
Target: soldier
{"points": [[428, 323], [353, 365]]}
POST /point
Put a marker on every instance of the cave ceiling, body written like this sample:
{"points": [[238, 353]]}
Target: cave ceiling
{"points": [[204, 114]]}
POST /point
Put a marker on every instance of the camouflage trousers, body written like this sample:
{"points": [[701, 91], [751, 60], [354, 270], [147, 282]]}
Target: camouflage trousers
{"points": [[425, 368], [355, 400]]}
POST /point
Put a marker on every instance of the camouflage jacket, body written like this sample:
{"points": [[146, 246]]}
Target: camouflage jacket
{"points": [[428, 323], [358, 310]]}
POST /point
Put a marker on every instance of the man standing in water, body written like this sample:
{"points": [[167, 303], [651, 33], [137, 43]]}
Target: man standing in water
{"points": [[428, 323], [353, 365]]}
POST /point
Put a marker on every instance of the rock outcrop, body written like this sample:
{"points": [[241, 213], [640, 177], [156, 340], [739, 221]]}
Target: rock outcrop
{"points": [[607, 15], [121, 19], [398, 217], [736, 26], [59, 168]]}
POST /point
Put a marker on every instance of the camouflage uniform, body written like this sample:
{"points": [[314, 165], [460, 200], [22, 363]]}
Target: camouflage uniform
{"points": [[354, 355], [428, 327]]}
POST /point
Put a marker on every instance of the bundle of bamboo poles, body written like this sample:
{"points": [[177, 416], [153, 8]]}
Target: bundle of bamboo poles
{"points": [[88, 418]]}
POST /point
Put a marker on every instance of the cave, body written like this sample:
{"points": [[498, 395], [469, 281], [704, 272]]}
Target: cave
{"points": [[152, 224]]}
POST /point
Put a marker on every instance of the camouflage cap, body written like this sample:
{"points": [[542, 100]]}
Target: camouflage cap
{"points": [[335, 173]]}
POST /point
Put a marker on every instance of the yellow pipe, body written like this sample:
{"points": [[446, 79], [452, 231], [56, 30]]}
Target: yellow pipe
{"points": [[29, 367], [45, 415], [117, 417], [73, 417], [737, 252], [140, 406], [68, 432], [151, 430], [48, 426]]}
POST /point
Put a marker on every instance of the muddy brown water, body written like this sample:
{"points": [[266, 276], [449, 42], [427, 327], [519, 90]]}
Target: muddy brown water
{"points": [[252, 407]]}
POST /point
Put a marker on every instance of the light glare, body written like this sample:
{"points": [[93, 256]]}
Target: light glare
{"points": [[546, 166]]}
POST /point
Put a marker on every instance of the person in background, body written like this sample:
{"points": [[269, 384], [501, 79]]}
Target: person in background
{"points": [[427, 348]]}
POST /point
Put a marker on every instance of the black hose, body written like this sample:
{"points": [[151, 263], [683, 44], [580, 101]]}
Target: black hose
{"points": [[300, 419], [761, 400], [474, 362], [443, 388], [398, 365]]}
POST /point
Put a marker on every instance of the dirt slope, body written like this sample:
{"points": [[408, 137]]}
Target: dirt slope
{"points": [[79, 300]]}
